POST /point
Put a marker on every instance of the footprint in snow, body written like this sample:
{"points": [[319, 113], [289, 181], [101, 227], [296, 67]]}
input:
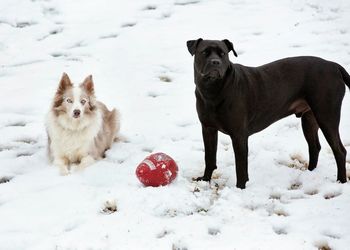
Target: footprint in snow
{"points": [[16, 124], [56, 31], [164, 233], [74, 59], [280, 230], [128, 25], [296, 161], [50, 11], [184, 3], [165, 78], [322, 245], [165, 15], [109, 207], [253, 206], [311, 191], [51, 33], [147, 149], [280, 212], [24, 154], [295, 185], [275, 196], [332, 194], [273, 209], [178, 246], [154, 7], [153, 94], [332, 235], [77, 45], [109, 36], [149, 7], [59, 54], [6, 148], [24, 24], [214, 231], [27, 141], [5, 179]]}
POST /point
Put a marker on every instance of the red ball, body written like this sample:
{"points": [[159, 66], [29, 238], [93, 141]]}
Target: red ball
{"points": [[158, 169]]}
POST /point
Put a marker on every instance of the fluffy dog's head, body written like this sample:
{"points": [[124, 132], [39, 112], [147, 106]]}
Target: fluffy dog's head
{"points": [[74, 105]]}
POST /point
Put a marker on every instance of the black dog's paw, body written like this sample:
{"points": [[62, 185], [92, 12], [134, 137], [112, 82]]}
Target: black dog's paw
{"points": [[203, 178], [241, 185], [342, 177]]}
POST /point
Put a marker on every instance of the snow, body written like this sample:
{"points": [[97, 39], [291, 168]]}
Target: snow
{"points": [[136, 52]]}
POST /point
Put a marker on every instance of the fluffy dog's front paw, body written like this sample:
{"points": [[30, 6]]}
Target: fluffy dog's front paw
{"points": [[84, 162], [78, 167], [64, 171], [62, 164]]}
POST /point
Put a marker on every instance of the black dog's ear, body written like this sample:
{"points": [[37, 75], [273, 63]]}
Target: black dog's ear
{"points": [[230, 46], [192, 45]]}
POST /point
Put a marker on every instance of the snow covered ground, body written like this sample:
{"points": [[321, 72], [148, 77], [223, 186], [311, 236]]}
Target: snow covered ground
{"points": [[136, 52]]}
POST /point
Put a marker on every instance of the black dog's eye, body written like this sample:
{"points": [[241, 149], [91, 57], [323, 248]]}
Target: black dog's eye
{"points": [[205, 53], [222, 53]]}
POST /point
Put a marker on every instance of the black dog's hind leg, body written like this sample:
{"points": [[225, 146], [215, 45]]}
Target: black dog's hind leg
{"points": [[328, 118], [210, 138], [240, 146], [310, 129], [331, 133]]}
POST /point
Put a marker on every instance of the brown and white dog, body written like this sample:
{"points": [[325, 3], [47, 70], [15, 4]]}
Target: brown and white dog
{"points": [[80, 129]]}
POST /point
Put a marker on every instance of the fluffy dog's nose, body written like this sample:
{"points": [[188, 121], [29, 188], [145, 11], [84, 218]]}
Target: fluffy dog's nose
{"points": [[215, 62], [76, 113]]}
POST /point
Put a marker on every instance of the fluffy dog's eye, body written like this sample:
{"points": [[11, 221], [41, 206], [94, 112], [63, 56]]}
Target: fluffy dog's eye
{"points": [[69, 100], [83, 102]]}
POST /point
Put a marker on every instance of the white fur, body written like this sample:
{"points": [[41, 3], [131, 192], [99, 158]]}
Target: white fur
{"points": [[77, 140], [72, 141], [72, 138], [76, 105]]}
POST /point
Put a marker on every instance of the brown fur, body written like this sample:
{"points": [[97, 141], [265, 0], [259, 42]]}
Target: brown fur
{"points": [[81, 139]]}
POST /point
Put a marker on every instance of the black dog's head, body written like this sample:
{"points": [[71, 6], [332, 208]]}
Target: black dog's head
{"points": [[211, 59]]}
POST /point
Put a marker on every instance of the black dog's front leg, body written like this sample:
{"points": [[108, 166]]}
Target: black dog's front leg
{"points": [[240, 146], [210, 138]]}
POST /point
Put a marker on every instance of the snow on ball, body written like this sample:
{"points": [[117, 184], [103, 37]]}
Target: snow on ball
{"points": [[158, 169]]}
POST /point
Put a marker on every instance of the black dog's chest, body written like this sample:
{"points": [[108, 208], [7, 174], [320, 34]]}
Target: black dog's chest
{"points": [[215, 117]]}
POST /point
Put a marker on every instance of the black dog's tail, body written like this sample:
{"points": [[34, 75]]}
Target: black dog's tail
{"points": [[345, 75]]}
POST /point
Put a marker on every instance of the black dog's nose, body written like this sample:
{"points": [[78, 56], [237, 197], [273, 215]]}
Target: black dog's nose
{"points": [[215, 62], [76, 112]]}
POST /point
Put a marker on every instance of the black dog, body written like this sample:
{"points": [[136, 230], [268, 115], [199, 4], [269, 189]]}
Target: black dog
{"points": [[240, 101]]}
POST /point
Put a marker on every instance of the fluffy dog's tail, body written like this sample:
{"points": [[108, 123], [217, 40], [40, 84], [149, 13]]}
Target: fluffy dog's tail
{"points": [[345, 75], [115, 116], [114, 121]]}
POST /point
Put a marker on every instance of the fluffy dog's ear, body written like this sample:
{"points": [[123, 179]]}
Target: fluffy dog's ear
{"points": [[192, 45], [230, 46], [88, 84], [64, 83]]}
